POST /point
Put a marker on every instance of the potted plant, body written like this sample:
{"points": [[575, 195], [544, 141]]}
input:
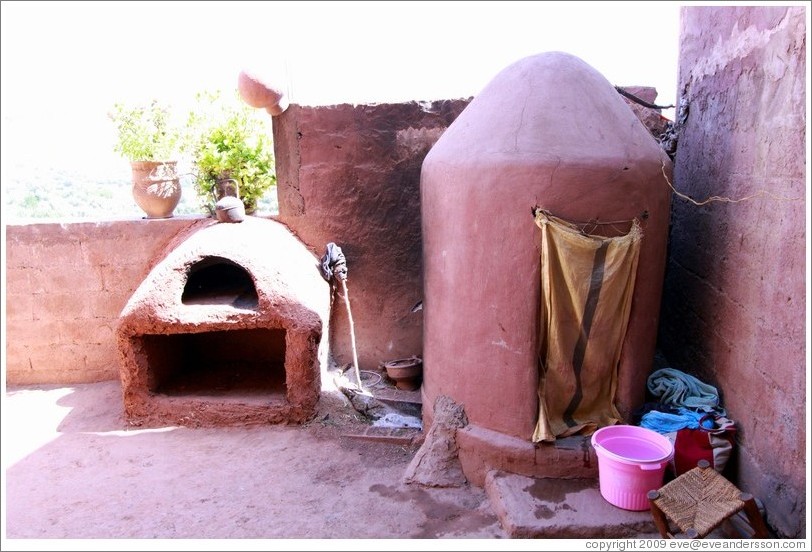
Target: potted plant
{"points": [[151, 139], [232, 150]]}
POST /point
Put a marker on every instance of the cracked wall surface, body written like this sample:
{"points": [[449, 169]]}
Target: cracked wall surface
{"points": [[734, 297]]}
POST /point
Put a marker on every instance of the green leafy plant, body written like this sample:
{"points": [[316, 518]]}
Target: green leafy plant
{"points": [[230, 140], [147, 132]]}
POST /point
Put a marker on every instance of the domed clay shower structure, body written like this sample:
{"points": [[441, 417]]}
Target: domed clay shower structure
{"points": [[547, 131]]}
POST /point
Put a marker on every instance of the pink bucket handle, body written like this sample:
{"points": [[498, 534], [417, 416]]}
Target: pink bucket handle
{"points": [[651, 467]]}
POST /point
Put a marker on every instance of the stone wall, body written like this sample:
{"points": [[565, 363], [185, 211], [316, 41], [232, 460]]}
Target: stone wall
{"points": [[65, 287], [734, 297], [351, 175]]}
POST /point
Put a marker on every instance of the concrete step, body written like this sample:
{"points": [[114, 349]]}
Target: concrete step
{"points": [[403, 436], [408, 403], [530, 507]]}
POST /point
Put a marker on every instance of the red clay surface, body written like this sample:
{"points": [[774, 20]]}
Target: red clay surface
{"points": [[74, 469]]}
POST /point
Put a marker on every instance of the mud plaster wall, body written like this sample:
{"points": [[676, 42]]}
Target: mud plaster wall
{"points": [[348, 174], [65, 287], [351, 175], [734, 296]]}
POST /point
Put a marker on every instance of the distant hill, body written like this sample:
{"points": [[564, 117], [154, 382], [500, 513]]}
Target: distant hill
{"points": [[40, 191]]}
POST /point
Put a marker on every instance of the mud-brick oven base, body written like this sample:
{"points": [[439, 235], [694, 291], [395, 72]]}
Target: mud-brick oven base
{"points": [[228, 328]]}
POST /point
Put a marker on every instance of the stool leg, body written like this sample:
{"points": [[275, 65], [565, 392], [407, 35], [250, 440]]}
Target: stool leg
{"points": [[754, 516], [659, 517]]}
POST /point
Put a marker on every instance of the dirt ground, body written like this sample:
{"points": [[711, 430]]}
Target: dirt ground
{"points": [[74, 469]]}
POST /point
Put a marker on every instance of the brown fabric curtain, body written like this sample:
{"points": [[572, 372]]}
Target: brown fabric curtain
{"points": [[587, 283]]}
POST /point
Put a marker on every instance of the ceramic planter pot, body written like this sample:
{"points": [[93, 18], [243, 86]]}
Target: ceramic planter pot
{"points": [[156, 187]]}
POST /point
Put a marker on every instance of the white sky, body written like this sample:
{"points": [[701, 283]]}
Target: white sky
{"points": [[65, 63], [335, 52]]}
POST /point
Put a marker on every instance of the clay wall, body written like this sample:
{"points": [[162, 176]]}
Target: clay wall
{"points": [[65, 287], [347, 174], [734, 297], [350, 174]]}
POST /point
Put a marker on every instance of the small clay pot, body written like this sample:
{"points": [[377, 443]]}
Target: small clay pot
{"points": [[230, 209], [407, 373], [229, 206]]}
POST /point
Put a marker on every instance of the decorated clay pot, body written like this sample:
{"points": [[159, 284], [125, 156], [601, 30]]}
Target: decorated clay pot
{"points": [[156, 187]]}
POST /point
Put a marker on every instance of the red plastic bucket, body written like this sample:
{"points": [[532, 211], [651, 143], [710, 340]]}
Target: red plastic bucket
{"points": [[631, 462]]}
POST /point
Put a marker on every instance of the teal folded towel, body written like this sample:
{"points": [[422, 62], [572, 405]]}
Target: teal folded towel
{"points": [[673, 387]]}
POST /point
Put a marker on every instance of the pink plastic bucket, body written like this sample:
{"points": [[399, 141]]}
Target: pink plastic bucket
{"points": [[631, 462]]}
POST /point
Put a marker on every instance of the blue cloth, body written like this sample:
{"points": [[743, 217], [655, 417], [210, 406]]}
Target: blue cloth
{"points": [[664, 422], [679, 389]]}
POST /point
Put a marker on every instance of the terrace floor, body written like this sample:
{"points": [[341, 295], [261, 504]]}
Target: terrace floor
{"points": [[75, 469]]}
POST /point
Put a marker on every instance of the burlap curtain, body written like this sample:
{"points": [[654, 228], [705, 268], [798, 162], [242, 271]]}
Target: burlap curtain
{"points": [[587, 283]]}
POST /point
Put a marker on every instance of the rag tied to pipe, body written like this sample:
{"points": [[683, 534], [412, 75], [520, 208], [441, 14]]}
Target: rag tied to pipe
{"points": [[334, 267]]}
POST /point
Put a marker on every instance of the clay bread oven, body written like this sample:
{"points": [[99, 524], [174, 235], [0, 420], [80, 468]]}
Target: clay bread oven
{"points": [[228, 328]]}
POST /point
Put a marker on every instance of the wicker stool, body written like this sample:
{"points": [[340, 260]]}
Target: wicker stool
{"points": [[698, 501]]}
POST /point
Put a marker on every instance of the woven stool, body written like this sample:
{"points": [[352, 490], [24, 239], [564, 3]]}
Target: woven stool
{"points": [[699, 500]]}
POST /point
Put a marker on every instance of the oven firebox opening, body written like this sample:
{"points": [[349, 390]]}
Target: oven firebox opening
{"points": [[238, 363]]}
